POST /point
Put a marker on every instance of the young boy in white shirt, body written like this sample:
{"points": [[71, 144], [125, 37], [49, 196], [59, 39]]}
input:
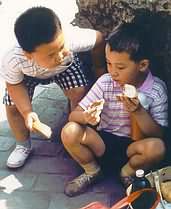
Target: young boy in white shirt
{"points": [[45, 53]]}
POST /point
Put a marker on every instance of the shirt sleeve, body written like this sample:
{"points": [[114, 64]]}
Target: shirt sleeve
{"points": [[159, 108], [10, 70], [79, 39], [94, 94]]}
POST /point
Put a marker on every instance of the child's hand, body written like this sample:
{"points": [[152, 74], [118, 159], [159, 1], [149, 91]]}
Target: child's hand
{"points": [[131, 104], [30, 118], [130, 98], [92, 114]]}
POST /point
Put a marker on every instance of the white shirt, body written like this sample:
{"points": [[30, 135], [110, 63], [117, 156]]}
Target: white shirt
{"points": [[15, 64]]}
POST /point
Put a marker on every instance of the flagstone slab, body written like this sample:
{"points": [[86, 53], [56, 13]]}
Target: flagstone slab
{"points": [[25, 200], [6, 143], [60, 201]]}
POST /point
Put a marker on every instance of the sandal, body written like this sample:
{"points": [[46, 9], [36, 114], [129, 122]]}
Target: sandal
{"points": [[80, 183]]}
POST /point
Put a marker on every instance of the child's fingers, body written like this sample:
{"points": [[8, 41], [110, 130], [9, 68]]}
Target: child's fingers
{"points": [[92, 116], [131, 104], [88, 115], [92, 113], [129, 101], [91, 110], [132, 101], [30, 119], [35, 116], [98, 104], [135, 101], [119, 97], [96, 113], [94, 121]]}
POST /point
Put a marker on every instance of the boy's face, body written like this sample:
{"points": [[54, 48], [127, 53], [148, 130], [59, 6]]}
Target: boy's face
{"points": [[122, 69], [50, 55]]}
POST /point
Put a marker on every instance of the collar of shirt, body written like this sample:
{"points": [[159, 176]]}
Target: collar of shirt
{"points": [[147, 84]]}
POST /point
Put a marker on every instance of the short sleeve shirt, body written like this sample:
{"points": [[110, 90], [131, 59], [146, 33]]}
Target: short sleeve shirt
{"points": [[15, 64], [114, 117]]}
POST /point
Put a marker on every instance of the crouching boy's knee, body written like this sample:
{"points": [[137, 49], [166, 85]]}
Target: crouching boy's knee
{"points": [[148, 150], [70, 133], [154, 149]]}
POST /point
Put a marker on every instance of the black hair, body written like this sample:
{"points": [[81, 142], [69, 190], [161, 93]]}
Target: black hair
{"points": [[131, 38], [36, 26]]}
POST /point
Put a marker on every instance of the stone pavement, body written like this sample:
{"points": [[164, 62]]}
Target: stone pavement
{"points": [[40, 183]]}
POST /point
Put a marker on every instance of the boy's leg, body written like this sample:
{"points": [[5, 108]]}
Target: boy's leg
{"points": [[17, 124], [23, 144], [83, 144], [143, 154]]}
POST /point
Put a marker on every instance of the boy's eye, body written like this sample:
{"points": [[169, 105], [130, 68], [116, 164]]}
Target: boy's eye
{"points": [[51, 55], [121, 68], [108, 63]]}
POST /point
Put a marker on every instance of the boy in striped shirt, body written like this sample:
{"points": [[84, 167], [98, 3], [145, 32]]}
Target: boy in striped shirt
{"points": [[46, 52], [128, 59]]}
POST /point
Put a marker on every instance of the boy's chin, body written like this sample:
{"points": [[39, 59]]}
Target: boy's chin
{"points": [[119, 82]]}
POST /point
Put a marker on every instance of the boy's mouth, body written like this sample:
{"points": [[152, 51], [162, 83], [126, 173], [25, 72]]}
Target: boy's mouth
{"points": [[115, 79], [118, 81], [61, 64], [66, 64]]}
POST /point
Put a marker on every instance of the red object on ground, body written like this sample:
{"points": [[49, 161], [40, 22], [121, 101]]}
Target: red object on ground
{"points": [[95, 205], [125, 201]]}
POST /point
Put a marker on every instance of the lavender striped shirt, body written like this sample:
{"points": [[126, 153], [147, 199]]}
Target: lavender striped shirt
{"points": [[114, 118]]}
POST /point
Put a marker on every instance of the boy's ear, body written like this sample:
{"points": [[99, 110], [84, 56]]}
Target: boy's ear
{"points": [[143, 65], [28, 55]]}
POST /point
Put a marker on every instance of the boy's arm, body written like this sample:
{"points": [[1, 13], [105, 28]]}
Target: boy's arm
{"points": [[90, 115], [88, 110], [77, 115], [146, 123], [84, 39], [150, 123], [20, 97], [98, 55]]}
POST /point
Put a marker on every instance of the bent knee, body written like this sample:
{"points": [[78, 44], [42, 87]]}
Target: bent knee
{"points": [[154, 148], [151, 148], [71, 132]]}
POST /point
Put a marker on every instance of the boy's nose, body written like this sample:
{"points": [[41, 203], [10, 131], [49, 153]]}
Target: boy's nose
{"points": [[66, 52], [61, 55], [114, 74]]}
